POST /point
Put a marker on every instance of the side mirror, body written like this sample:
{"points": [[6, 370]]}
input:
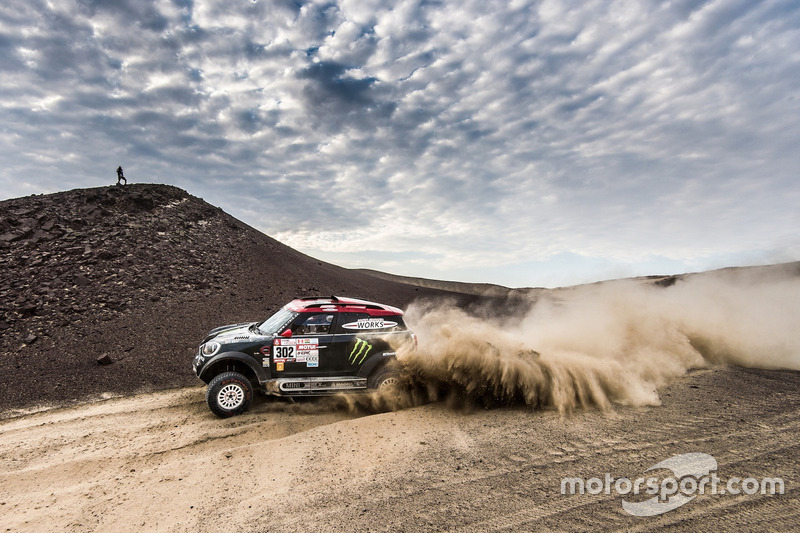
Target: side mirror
{"points": [[286, 333]]}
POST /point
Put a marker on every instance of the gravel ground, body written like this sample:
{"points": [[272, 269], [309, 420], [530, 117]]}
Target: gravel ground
{"points": [[162, 462]]}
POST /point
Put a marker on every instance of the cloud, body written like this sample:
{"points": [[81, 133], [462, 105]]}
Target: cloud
{"points": [[336, 98], [459, 133]]}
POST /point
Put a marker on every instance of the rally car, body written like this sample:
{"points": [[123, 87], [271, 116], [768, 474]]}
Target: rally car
{"points": [[310, 347]]}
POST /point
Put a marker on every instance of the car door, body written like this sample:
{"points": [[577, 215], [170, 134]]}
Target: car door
{"points": [[305, 353], [354, 342]]}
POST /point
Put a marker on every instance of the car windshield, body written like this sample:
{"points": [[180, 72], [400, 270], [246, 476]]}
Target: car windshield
{"points": [[273, 324]]}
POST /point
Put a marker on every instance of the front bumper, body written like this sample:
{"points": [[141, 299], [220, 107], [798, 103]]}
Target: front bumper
{"points": [[197, 363]]}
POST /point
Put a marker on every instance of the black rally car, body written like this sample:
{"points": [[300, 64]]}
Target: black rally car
{"points": [[310, 347]]}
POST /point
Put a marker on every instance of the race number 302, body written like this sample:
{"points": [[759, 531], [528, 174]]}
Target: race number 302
{"points": [[284, 352]]}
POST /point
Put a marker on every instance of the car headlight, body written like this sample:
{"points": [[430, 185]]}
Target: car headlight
{"points": [[210, 348]]}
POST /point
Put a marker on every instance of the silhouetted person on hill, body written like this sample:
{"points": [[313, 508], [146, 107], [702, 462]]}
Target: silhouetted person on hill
{"points": [[121, 177]]}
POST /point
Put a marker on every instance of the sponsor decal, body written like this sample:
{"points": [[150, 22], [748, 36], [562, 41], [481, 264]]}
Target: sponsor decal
{"points": [[295, 342], [370, 323], [279, 366], [292, 350], [360, 351]]}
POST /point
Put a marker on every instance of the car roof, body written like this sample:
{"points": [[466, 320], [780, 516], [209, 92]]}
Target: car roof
{"points": [[338, 304]]}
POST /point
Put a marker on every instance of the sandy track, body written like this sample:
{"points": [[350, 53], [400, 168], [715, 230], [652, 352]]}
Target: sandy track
{"points": [[163, 462]]}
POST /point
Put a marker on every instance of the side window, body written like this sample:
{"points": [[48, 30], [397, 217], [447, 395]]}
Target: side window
{"points": [[318, 324]]}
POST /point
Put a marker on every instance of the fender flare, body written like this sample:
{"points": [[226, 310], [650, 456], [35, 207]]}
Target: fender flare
{"points": [[375, 361], [262, 374]]}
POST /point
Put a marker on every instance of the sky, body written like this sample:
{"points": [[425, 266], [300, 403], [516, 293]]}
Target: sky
{"points": [[524, 143]]}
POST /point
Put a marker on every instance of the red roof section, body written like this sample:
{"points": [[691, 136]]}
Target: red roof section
{"points": [[337, 304]]}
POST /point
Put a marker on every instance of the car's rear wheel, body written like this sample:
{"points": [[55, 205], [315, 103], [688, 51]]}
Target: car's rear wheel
{"points": [[384, 377], [229, 394]]}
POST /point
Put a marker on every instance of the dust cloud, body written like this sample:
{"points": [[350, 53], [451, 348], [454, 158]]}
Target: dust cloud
{"points": [[600, 345]]}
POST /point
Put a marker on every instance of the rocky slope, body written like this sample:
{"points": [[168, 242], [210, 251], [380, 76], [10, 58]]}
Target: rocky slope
{"points": [[133, 276]]}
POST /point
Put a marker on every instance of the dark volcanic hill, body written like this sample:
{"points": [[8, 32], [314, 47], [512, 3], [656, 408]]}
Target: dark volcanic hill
{"points": [[140, 273]]}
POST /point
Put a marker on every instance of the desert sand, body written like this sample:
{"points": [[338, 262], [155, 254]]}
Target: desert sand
{"points": [[163, 462]]}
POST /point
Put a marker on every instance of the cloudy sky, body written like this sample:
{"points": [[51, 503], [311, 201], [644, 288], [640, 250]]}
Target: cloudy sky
{"points": [[526, 143]]}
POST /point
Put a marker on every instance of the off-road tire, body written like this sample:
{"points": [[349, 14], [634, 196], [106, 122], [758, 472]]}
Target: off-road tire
{"points": [[385, 376], [229, 394]]}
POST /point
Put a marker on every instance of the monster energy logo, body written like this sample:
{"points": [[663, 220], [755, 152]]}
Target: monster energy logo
{"points": [[361, 349]]}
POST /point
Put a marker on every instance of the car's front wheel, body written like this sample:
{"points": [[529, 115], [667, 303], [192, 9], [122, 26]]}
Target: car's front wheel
{"points": [[229, 394]]}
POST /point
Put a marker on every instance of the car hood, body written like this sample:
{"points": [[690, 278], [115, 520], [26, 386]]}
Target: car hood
{"points": [[234, 333]]}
